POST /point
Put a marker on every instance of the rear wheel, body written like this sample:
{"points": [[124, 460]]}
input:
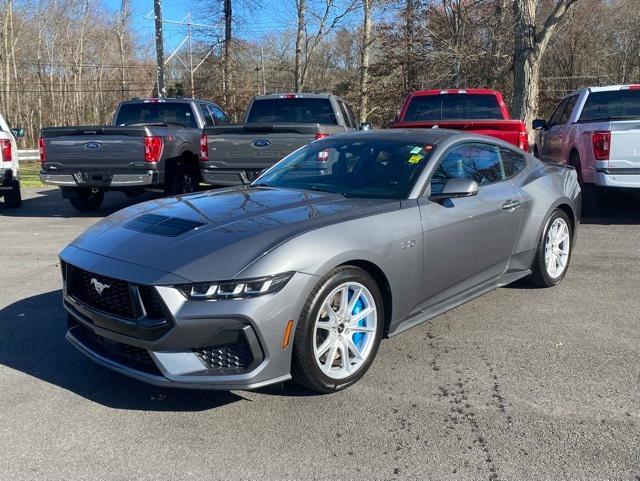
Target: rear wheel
{"points": [[87, 200], [339, 331], [554, 251], [183, 179], [13, 197]]}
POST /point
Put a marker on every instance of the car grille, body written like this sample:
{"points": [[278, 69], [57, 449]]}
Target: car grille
{"points": [[152, 303], [226, 358], [125, 354], [114, 299]]}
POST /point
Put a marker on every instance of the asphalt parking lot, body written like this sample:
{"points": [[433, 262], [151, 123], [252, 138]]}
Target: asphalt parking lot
{"points": [[519, 384]]}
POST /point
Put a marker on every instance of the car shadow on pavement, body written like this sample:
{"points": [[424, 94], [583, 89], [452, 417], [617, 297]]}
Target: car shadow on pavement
{"points": [[616, 208], [48, 202], [33, 342]]}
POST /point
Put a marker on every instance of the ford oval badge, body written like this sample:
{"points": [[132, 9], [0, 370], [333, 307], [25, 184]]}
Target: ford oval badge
{"points": [[261, 143], [92, 145]]}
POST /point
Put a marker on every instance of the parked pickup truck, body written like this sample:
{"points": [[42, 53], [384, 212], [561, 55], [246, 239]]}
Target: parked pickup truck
{"points": [[9, 175], [275, 125], [155, 144], [482, 111], [597, 131]]}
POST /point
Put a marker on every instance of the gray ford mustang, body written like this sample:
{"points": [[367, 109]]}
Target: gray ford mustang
{"points": [[300, 275]]}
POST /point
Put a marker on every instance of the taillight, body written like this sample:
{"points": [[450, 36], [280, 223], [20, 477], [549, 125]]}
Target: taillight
{"points": [[601, 144], [152, 149], [523, 141], [43, 150], [5, 148], [321, 136], [204, 149]]}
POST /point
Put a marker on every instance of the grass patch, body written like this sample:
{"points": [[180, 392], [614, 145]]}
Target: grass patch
{"points": [[30, 174]]}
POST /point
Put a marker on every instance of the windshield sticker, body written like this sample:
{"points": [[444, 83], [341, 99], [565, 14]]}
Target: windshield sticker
{"points": [[416, 150], [414, 159]]}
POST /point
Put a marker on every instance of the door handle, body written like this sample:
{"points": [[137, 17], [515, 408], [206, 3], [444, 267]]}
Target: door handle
{"points": [[511, 205]]}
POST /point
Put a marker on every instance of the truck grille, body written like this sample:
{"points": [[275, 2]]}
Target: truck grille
{"points": [[100, 292]]}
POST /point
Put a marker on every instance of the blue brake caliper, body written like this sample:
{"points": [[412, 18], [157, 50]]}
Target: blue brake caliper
{"points": [[358, 337]]}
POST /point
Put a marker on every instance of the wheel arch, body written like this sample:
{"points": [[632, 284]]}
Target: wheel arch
{"points": [[382, 281]]}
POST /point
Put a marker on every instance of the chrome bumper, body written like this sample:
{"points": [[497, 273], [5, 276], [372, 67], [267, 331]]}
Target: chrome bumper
{"points": [[117, 180]]}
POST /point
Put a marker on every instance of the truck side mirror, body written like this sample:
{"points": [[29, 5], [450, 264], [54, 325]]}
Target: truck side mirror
{"points": [[365, 126], [539, 124], [18, 132]]}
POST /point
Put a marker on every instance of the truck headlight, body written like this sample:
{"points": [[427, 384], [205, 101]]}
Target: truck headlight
{"points": [[235, 289]]}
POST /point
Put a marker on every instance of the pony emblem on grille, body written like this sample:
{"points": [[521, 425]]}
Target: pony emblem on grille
{"points": [[99, 286]]}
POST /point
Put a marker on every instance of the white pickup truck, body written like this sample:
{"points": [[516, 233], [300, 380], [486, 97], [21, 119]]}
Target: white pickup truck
{"points": [[9, 177], [597, 131]]}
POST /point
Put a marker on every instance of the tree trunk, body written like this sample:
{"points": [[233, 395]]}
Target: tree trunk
{"points": [[364, 60], [411, 72], [301, 6], [226, 54], [526, 61]]}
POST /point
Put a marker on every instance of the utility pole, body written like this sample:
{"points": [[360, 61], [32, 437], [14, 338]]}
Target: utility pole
{"points": [[191, 71], [157, 10]]}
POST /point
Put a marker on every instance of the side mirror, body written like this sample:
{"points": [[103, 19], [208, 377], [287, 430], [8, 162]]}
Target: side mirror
{"points": [[365, 126], [456, 188], [539, 124], [18, 132]]}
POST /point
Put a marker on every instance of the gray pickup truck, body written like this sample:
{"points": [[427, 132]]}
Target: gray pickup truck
{"points": [[153, 144], [275, 125]]}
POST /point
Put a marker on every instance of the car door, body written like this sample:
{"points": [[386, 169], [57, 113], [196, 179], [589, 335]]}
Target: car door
{"points": [[469, 240], [552, 138]]}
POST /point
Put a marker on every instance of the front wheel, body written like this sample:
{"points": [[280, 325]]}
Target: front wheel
{"points": [[339, 331], [87, 200], [554, 251]]}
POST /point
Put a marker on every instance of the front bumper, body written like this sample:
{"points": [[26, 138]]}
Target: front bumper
{"points": [[229, 177], [87, 179], [181, 355]]}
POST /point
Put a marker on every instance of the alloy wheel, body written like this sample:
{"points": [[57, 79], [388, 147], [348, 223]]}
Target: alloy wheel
{"points": [[556, 249]]}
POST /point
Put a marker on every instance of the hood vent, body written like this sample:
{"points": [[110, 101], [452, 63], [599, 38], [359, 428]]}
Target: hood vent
{"points": [[162, 225]]}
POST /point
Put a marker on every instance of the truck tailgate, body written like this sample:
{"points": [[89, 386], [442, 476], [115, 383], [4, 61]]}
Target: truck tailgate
{"points": [[256, 146], [512, 131], [625, 145], [97, 148]]}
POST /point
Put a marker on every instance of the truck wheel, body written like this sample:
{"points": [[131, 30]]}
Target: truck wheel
{"points": [[590, 193], [183, 180], [86, 200], [13, 198]]}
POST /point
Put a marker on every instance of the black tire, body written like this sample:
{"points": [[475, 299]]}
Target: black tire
{"points": [[13, 197], [86, 200], [540, 277], [305, 369], [590, 193], [183, 179]]}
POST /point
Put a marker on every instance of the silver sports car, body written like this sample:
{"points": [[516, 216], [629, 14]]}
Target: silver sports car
{"points": [[301, 274]]}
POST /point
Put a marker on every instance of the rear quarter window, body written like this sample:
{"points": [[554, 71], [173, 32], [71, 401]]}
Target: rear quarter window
{"points": [[513, 162], [292, 111]]}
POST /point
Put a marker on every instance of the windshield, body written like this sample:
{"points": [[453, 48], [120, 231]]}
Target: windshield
{"points": [[371, 168], [613, 104], [156, 113], [292, 111], [453, 107]]}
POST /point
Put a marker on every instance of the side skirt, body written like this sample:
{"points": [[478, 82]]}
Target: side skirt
{"points": [[459, 299]]}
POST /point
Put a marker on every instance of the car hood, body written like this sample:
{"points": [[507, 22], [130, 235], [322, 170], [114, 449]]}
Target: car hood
{"points": [[214, 235]]}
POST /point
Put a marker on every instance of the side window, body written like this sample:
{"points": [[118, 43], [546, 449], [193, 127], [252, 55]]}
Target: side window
{"points": [[345, 115], [354, 122], [513, 162], [475, 161], [568, 108], [557, 113], [220, 116], [208, 119]]}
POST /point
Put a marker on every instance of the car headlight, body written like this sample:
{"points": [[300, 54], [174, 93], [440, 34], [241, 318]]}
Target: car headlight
{"points": [[236, 289]]}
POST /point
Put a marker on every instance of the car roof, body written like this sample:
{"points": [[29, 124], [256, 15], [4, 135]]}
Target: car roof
{"points": [[410, 135], [165, 99], [420, 93], [305, 95]]}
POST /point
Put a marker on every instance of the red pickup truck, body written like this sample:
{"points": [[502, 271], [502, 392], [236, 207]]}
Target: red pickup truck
{"points": [[482, 111]]}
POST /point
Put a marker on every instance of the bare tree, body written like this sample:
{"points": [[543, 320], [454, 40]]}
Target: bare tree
{"points": [[530, 46], [364, 58]]}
